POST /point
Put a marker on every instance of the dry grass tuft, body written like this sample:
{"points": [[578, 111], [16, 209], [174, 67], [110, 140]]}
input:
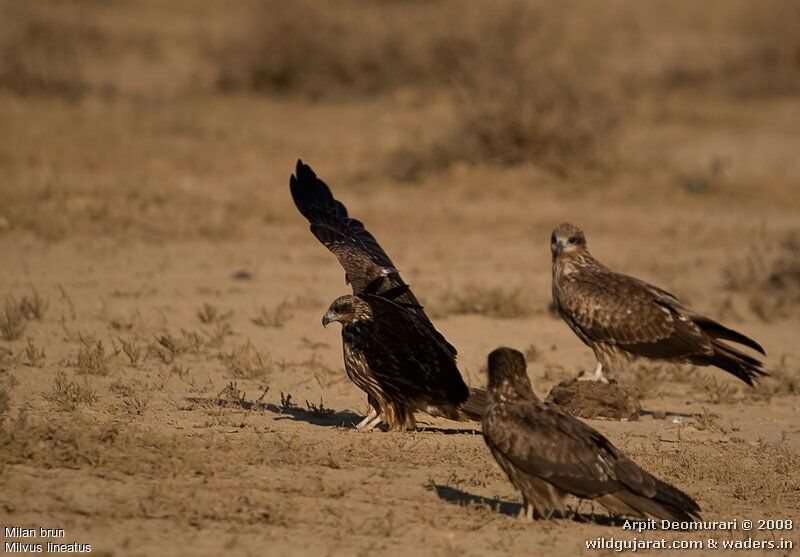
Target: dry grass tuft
{"points": [[717, 390], [523, 89], [275, 318], [319, 409], [33, 306], [34, 354], [41, 55], [246, 362], [131, 350], [231, 395], [492, 302], [783, 380], [136, 404], [68, 395], [4, 405], [771, 280], [167, 346], [647, 379], [210, 314], [93, 360], [12, 319]]}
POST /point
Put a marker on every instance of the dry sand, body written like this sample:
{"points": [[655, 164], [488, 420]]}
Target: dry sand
{"points": [[215, 417]]}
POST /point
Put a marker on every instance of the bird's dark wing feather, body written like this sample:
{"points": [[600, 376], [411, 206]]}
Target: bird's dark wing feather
{"points": [[408, 359], [367, 267], [358, 251], [612, 308], [559, 449]]}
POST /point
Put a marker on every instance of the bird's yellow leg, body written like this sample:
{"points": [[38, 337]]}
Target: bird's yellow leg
{"points": [[596, 376], [370, 420]]}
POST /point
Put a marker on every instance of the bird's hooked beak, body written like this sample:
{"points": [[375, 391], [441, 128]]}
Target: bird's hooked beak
{"points": [[327, 318], [558, 246]]}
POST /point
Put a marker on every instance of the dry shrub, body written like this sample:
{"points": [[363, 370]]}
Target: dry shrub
{"points": [[209, 314], [783, 379], [4, 405], [771, 278], [93, 360], [33, 306], [78, 442], [492, 302], [274, 318], [246, 362], [12, 319], [315, 49], [68, 395], [766, 60], [524, 89], [131, 350], [530, 92], [41, 53], [34, 354]]}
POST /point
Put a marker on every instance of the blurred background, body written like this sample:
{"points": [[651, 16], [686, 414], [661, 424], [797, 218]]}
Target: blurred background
{"points": [[152, 120], [164, 377]]}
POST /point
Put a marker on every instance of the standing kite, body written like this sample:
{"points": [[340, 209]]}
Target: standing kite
{"points": [[549, 455], [394, 357], [621, 317], [392, 351]]}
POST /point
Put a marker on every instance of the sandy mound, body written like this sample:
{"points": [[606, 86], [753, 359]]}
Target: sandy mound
{"points": [[588, 399]]}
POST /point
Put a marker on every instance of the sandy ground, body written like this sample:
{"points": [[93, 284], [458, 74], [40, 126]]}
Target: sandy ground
{"points": [[178, 395]]}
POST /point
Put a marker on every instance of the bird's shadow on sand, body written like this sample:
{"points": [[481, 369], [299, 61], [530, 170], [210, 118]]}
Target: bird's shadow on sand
{"points": [[463, 499], [314, 415]]}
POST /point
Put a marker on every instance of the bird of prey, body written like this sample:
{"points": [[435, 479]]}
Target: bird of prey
{"points": [[621, 318], [392, 350], [393, 356], [549, 454]]}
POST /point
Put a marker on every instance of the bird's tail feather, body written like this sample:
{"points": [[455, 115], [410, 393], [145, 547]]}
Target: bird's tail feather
{"points": [[472, 409], [669, 503], [734, 362], [719, 331]]}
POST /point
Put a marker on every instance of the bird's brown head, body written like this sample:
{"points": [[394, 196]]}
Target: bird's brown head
{"points": [[347, 309], [508, 375], [567, 239]]}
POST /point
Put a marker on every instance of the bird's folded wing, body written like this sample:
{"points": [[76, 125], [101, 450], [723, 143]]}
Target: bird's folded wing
{"points": [[409, 357], [623, 311], [555, 447]]}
